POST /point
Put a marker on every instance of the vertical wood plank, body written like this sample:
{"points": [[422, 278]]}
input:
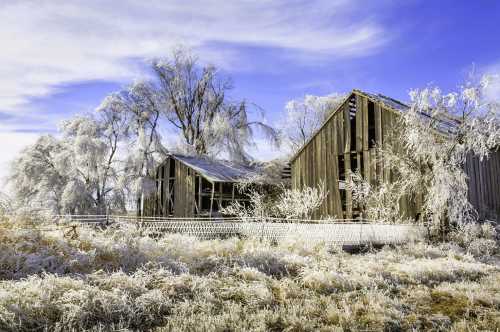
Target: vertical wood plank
{"points": [[359, 122], [364, 134], [378, 123], [347, 131], [347, 163]]}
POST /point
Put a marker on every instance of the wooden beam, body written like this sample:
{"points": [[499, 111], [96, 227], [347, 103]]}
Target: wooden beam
{"points": [[347, 165], [199, 193], [212, 199], [347, 131], [364, 134], [359, 122]]}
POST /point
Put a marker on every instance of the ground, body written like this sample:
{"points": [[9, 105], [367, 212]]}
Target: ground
{"points": [[53, 279]]}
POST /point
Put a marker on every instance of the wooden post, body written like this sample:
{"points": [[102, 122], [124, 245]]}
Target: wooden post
{"points": [[199, 194], [212, 199], [220, 195]]}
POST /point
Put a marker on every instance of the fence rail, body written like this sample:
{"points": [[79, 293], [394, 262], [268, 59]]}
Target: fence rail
{"points": [[339, 231]]}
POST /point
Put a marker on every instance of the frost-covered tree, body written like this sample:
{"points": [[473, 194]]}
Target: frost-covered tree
{"points": [[91, 164], [5, 204], [304, 116], [137, 108], [78, 173], [193, 99], [434, 137], [36, 175]]}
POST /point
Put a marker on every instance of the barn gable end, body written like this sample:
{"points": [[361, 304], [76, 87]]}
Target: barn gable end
{"points": [[346, 142]]}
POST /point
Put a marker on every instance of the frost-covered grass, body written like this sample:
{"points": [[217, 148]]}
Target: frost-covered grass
{"points": [[119, 279]]}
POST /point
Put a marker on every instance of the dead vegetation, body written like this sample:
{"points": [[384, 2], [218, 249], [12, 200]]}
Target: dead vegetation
{"points": [[118, 279]]}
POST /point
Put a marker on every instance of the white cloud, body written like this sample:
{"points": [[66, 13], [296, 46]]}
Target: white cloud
{"points": [[49, 43], [492, 90]]}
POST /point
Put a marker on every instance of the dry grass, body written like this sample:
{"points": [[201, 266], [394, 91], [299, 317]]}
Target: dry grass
{"points": [[118, 279]]}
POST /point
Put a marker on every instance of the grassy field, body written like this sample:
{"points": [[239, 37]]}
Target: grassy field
{"points": [[120, 280]]}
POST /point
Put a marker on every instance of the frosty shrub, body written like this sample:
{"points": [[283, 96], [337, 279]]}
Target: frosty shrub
{"points": [[260, 205], [5, 204], [293, 204], [477, 239], [379, 203], [301, 203]]}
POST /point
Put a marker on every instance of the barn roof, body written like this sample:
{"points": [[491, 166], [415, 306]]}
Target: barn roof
{"points": [[217, 170], [443, 125]]}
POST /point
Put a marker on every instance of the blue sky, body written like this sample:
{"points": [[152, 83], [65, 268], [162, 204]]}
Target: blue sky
{"points": [[59, 58]]}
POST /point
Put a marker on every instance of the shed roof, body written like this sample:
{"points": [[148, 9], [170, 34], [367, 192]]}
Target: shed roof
{"points": [[218, 170]]}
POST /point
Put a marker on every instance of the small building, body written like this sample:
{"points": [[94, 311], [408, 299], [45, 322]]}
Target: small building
{"points": [[346, 142], [194, 186]]}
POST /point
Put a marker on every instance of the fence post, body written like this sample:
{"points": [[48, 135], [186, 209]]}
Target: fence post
{"points": [[360, 233]]}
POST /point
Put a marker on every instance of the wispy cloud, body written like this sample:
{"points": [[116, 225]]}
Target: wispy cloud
{"points": [[50, 43], [493, 89]]}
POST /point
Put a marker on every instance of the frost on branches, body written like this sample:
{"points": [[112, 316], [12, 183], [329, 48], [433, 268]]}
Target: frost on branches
{"points": [[304, 116], [194, 102], [75, 174], [434, 138], [106, 159], [290, 204], [137, 105]]}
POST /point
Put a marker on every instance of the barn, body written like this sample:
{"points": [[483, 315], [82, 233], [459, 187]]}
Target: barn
{"points": [[346, 142], [194, 186]]}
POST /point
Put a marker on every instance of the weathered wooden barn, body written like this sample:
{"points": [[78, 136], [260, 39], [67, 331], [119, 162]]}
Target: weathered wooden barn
{"points": [[189, 186], [346, 141]]}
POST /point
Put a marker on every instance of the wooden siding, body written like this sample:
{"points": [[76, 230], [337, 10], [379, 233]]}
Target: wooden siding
{"points": [[182, 192], [335, 147], [318, 161], [484, 184], [184, 203]]}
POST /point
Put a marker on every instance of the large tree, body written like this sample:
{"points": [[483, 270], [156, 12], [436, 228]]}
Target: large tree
{"points": [[105, 157], [194, 100], [137, 107], [78, 173]]}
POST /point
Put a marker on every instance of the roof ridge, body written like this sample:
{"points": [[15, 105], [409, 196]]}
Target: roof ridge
{"points": [[393, 99]]}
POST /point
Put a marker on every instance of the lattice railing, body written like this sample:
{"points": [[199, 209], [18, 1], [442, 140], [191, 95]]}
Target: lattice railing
{"points": [[340, 231]]}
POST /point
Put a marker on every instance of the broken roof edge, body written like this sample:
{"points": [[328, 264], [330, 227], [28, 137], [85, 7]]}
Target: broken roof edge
{"points": [[218, 170], [375, 98], [346, 100]]}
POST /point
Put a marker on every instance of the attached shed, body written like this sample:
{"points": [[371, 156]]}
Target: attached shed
{"points": [[189, 186], [346, 141]]}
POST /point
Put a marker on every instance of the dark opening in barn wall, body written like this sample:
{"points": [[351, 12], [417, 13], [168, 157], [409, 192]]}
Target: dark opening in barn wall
{"points": [[357, 163], [371, 125], [341, 167], [352, 122], [206, 194]]}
